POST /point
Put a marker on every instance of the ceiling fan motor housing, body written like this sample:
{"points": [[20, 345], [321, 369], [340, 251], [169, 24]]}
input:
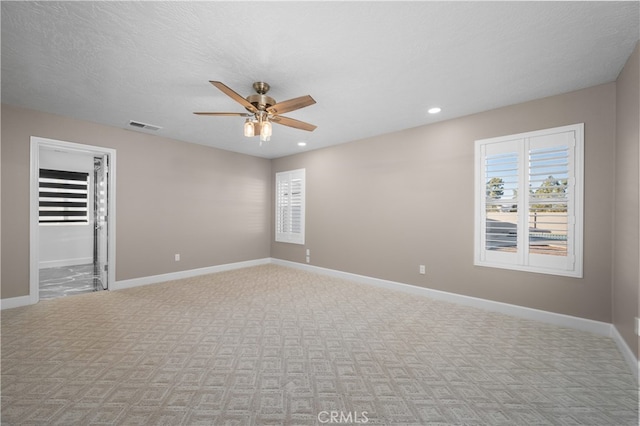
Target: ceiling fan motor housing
{"points": [[261, 100]]}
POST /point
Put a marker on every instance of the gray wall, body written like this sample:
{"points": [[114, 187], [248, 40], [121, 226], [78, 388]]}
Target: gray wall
{"points": [[626, 276], [211, 206], [382, 206]]}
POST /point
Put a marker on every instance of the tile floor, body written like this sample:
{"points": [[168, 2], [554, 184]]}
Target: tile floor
{"points": [[66, 281]]}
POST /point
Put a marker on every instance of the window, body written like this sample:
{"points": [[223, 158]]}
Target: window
{"points": [[290, 198], [63, 197], [529, 203]]}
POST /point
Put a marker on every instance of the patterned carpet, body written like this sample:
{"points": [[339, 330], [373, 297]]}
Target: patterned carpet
{"points": [[272, 345]]}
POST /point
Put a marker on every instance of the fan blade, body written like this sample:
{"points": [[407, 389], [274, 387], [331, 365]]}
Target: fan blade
{"points": [[225, 114], [291, 105], [233, 95], [286, 121]]}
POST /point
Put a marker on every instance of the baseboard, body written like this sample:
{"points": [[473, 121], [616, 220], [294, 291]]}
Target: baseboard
{"points": [[597, 327], [155, 279], [15, 302], [65, 262], [627, 353]]}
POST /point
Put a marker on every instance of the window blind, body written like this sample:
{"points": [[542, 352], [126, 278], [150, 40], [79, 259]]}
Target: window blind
{"points": [[63, 197], [290, 204]]}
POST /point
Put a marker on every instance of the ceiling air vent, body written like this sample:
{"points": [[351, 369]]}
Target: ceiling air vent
{"points": [[146, 126]]}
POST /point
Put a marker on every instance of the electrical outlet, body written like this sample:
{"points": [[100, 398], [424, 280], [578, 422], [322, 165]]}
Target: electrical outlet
{"points": [[308, 252], [177, 257], [638, 326], [423, 269]]}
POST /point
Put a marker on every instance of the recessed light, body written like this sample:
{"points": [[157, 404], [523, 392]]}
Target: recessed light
{"points": [[302, 144], [434, 110]]}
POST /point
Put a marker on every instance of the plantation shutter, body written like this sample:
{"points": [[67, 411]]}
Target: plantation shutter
{"points": [[63, 197], [551, 206], [529, 202], [290, 203], [501, 174]]}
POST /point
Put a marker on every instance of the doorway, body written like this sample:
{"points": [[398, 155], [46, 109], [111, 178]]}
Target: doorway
{"points": [[72, 219]]}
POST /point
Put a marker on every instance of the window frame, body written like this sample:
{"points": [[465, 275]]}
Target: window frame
{"points": [[288, 234], [522, 259]]}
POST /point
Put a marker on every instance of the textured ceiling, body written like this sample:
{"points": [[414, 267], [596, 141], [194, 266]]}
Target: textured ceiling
{"points": [[372, 67]]}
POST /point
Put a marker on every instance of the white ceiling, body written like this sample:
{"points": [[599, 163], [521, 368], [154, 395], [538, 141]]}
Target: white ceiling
{"points": [[372, 67]]}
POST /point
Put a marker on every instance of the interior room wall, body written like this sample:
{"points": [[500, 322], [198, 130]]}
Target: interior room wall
{"points": [[626, 272], [382, 206], [67, 244], [211, 206]]}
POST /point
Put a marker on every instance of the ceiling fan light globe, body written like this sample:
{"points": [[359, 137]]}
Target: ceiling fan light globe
{"points": [[266, 129], [249, 129]]}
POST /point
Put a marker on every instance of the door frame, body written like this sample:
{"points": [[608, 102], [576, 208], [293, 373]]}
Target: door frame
{"points": [[34, 235]]}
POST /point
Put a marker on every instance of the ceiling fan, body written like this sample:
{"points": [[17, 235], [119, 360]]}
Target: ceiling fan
{"points": [[263, 110]]}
